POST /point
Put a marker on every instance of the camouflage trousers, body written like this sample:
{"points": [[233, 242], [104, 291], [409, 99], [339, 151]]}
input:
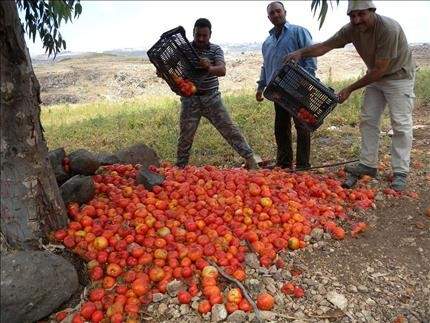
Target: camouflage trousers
{"points": [[212, 108]]}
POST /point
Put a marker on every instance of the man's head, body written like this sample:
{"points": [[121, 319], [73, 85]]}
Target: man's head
{"points": [[202, 32], [276, 13], [361, 14]]}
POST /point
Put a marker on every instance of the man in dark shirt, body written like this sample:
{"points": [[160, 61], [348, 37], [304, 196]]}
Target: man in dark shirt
{"points": [[207, 101]]}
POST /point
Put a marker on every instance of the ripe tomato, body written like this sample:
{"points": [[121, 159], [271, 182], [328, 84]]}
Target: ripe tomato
{"points": [[97, 294], [210, 271], [204, 307], [234, 296], [265, 301], [184, 297]]}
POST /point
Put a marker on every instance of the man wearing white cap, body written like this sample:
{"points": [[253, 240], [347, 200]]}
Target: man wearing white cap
{"points": [[390, 77]]}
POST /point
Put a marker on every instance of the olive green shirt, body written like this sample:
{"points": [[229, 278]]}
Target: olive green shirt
{"points": [[386, 40]]}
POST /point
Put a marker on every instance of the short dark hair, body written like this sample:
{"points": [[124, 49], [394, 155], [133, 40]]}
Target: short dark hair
{"points": [[275, 2], [202, 23]]}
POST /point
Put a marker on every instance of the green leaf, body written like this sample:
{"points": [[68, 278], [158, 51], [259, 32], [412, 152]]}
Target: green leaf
{"points": [[78, 9], [323, 13]]}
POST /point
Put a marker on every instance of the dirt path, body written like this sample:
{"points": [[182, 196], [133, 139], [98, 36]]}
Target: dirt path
{"points": [[384, 272]]}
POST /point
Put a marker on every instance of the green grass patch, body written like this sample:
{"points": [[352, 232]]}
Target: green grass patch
{"points": [[107, 126]]}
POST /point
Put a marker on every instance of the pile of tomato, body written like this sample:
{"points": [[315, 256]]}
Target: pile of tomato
{"points": [[137, 241]]}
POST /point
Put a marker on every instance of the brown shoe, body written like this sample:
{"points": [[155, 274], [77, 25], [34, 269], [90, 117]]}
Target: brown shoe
{"points": [[251, 163]]}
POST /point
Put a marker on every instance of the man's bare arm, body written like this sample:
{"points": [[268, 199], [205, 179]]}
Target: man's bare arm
{"points": [[311, 51], [218, 69], [373, 75]]}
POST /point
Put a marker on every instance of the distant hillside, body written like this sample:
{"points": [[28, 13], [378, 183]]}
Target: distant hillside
{"points": [[126, 73], [141, 53]]}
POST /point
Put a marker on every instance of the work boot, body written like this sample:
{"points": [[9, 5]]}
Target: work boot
{"points": [[276, 165], [399, 181], [361, 170], [180, 165], [301, 168], [251, 163]]}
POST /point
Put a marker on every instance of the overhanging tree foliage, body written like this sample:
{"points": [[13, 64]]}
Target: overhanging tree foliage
{"points": [[323, 5]]}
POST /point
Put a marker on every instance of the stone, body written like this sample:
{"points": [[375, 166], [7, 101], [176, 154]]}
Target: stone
{"points": [[34, 284], [254, 285], [269, 283], [56, 158], [148, 178], [352, 289], [158, 297], [83, 162], [184, 309], [107, 159], [174, 287], [263, 271], [219, 313], [78, 189], [138, 154], [317, 234], [338, 300], [327, 236], [162, 308], [279, 299], [370, 301], [309, 282], [252, 261], [265, 316], [195, 305], [237, 317], [362, 288]]}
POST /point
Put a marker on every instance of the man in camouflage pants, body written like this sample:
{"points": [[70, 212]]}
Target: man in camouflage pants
{"points": [[207, 102]]}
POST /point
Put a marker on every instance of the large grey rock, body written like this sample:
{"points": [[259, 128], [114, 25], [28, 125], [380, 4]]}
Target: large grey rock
{"points": [[34, 284], [78, 189], [149, 179], [107, 159], [56, 159], [83, 162], [138, 154]]}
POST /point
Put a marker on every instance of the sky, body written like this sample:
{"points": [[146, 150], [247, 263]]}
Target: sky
{"points": [[105, 25]]}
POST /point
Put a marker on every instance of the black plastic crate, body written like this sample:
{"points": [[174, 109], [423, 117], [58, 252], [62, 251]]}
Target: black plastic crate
{"points": [[301, 94], [175, 58]]}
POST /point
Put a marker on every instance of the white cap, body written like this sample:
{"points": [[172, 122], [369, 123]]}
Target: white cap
{"points": [[359, 5]]}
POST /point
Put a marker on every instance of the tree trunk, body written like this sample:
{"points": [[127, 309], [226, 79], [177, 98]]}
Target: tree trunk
{"points": [[31, 204]]}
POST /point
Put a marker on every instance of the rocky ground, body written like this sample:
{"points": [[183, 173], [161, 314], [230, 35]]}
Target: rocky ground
{"points": [[106, 77]]}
